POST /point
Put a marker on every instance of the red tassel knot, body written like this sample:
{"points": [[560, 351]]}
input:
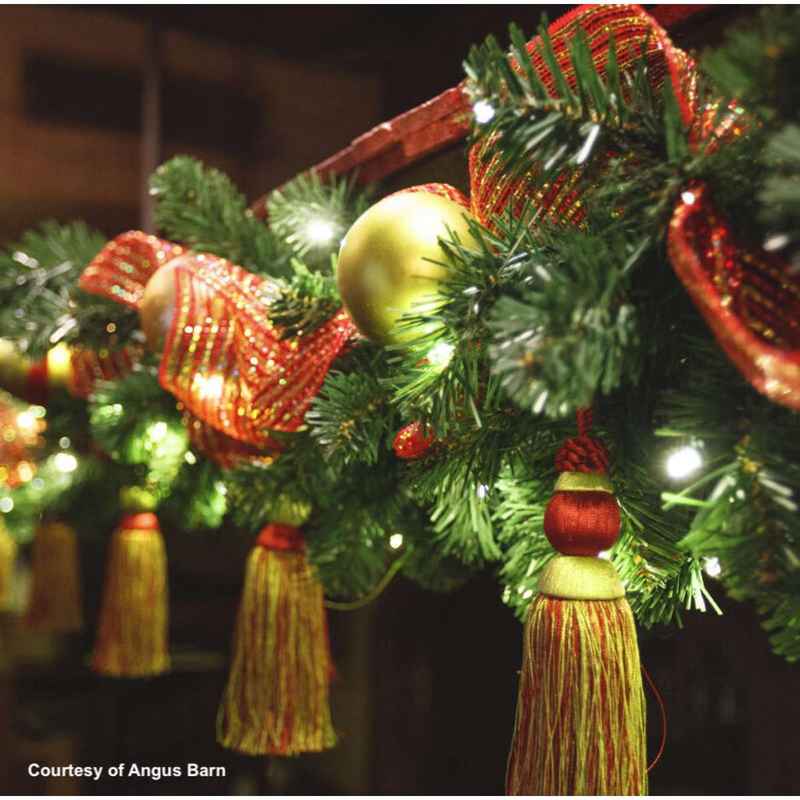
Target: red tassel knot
{"points": [[277, 536], [582, 453]]}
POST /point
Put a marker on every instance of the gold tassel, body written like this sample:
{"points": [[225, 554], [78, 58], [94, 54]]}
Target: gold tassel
{"points": [[132, 634], [8, 560], [580, 727], [55, 602], [276, 698]]}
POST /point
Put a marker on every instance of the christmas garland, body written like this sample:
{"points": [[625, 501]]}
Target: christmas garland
{"points": [[627, 244]]}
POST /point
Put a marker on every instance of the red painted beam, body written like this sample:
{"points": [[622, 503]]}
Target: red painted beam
{"points": [[433, 125]]}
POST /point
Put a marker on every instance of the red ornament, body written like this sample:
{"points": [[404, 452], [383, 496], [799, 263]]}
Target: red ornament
{"points": [[413, 441]]}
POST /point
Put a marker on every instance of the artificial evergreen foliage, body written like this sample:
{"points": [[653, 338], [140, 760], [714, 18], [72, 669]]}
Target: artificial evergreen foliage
{"points": [[537, 319]]}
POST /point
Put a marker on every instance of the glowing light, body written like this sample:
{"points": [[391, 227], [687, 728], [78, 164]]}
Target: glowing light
{"points": [[157, 431], [440, 354], [606, 554], [319, 231], [38, 411], [221, 488], [64, 442], [396, 541], [24, 471], [776, 242], [208, 388], [59, 364], [712, 567], [65, 462], [189, 457], [688, 198], [6, 505], [483, 111], [26, 421], [683, 462], [482, 491]]}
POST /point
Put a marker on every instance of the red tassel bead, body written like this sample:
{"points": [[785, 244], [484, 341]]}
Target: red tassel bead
{"points": [[582, 523]]}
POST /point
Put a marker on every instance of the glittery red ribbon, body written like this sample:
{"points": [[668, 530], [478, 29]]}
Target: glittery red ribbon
{"points": [[751, 300], [223, 358]]}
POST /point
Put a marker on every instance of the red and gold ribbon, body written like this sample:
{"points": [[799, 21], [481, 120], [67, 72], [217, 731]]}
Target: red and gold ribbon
{"points": [[751, 300], [223, 357]]}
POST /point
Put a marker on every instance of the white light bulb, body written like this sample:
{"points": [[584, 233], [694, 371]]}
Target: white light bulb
{"points": [[482, 491], [605, 554], [318, 231], [483, 111], [64, 442], [688, 198], [712, 567], [683, 462], [189, 457], [208, 388], [65, 462], [157, 431], [440, 354], [6, 505], [26, 421], [396, 541]]}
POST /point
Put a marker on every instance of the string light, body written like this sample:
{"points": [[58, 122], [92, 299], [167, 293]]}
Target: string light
{"points": [[483, 111], [776, 242], [189, 457], [26, 421], [712, 567], [24, 471], [319, 231], [6, 505], [65, 462], [208, 388], [482, 491], [157, 431], [683, 462], [440, 354], [688, 198], [396, 541]]}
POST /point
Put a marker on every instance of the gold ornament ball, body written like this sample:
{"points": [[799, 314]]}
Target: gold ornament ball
{"points": [[157, 308], [383, 269]]}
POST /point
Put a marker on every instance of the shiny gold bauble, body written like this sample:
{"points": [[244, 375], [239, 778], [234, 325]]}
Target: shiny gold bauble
{"points": [[383, 270], [157, 308]]}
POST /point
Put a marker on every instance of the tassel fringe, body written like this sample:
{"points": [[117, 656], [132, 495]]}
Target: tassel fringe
{"points": [[276, 699], [55, 603], [132, 634], [8, 558], [580, 727]]}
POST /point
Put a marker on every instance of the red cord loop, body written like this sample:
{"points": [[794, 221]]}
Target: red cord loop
{"points": [[663, 708]]}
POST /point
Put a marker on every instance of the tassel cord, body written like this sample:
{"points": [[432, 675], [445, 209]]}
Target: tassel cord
{"points": [[374, 593], [663, 710]]}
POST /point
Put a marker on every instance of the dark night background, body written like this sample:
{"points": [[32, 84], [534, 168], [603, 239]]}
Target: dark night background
{"points": [[426, 687]]}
